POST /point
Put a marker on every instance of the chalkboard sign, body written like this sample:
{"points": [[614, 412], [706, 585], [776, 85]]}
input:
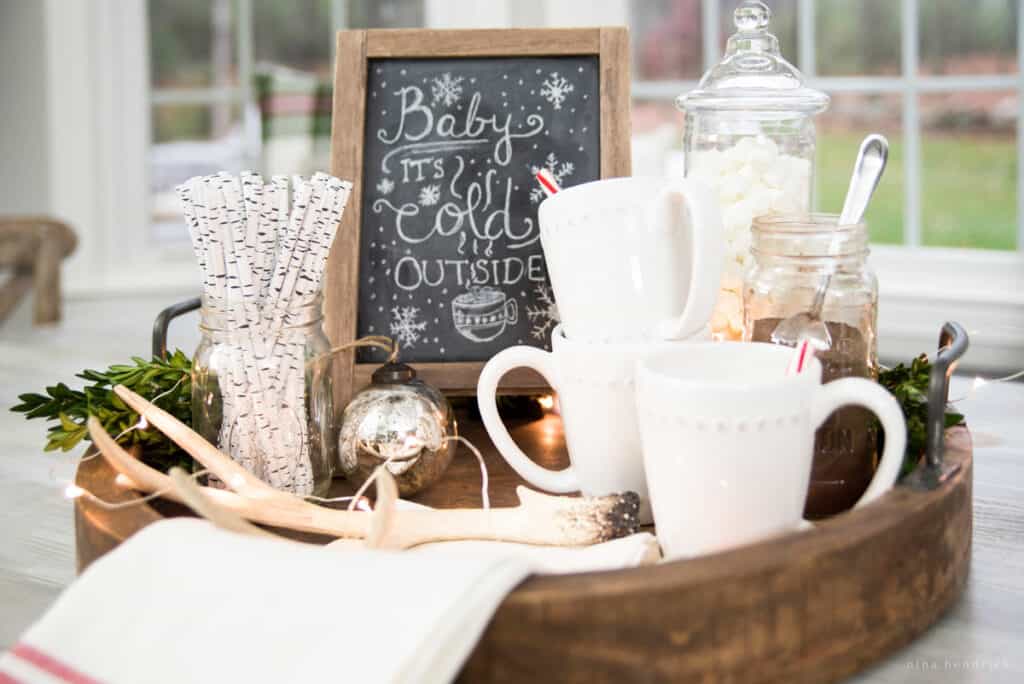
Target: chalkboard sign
{"points": [[443, 136]]}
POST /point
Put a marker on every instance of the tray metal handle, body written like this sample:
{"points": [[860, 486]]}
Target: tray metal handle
{"points": [[953, 342], [163, 322]]}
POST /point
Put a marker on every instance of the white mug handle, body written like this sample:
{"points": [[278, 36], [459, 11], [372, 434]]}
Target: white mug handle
{"points": [[700, 204], [875, 398], [557, 481]]}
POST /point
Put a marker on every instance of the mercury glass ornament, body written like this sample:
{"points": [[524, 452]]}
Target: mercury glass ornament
{"points": [[400, 419]]}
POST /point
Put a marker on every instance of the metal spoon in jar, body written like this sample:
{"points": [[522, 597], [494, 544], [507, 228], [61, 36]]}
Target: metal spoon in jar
{"points": [[867, 171]]}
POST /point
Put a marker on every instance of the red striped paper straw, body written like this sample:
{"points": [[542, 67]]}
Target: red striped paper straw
{"points": [[801, 355], [547, 182]]}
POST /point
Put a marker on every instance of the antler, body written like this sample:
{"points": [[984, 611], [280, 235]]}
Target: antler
{"points": [[539, 519], [287, 511]]}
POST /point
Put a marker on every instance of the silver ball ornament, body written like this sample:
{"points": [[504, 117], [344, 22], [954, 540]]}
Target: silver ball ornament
{"points": [[401, 420]]}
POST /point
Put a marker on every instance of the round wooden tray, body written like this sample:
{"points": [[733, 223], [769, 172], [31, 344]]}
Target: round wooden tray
{"points": [[806, 607]]}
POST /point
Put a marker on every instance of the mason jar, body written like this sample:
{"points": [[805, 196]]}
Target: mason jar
{"points": [[792, 254], [749, 136], [262, 392]]}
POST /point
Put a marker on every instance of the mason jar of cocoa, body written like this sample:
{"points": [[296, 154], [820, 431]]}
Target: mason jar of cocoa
{"points": [[792, 255]]}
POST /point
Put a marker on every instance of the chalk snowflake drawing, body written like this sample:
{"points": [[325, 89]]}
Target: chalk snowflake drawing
{"points": [[406, 326], [555, 88], [385, 186], [447, 89], [558, 168], [543, 316], [430, 195]]}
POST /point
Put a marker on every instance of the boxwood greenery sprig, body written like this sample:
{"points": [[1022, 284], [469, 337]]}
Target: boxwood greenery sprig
{"points": [[168, 378], [909, 384]]}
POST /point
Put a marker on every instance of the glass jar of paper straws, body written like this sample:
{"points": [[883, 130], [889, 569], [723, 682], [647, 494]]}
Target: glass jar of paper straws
{"points": [[261, 385], [294, 443]]}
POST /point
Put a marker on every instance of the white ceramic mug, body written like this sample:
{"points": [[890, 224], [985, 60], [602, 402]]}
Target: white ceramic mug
{"points": [[594, 383], [633, 259], [728, 441]]}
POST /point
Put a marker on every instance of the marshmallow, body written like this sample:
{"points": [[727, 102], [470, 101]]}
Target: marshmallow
{"points": [[751, 178]]}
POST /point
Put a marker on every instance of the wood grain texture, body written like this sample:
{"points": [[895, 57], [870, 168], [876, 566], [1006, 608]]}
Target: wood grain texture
{"points": [[97, 529], [354, 48], [460, 378], [807, 607], [483, 42], [341, 278], [616, 122]]}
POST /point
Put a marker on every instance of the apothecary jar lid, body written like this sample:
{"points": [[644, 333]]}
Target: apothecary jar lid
{"points": [[753, 75]]}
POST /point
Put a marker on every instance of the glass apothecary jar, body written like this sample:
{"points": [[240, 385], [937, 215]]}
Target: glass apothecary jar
{"points": [[749, 135], [792, 255], [263, 393]]}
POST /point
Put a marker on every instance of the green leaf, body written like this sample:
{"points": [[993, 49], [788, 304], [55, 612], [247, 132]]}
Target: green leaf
{"points": [[68, 409], [73, 438], [68, 424]]}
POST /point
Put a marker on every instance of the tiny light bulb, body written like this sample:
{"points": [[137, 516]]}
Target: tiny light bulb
{"points": [[547, 402], [237, 481], [143, 423], [364, 505], [73, 491], [978, 382], [123, 480]]}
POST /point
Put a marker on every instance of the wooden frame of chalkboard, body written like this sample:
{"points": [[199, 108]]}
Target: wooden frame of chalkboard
{"points": [[357, 52]]}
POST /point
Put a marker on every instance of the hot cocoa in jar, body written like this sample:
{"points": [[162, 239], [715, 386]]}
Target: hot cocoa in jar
{"points": [[792, 254]]}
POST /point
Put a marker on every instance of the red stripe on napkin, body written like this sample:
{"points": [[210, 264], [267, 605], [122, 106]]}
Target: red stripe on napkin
{"points": [[8, 679], [51, 665]]}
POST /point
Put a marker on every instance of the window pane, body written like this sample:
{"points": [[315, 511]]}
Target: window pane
{"points": [[849, 118], [192, 43], [857, 39], [296, 35], [667, 40], [657, 139], [385, 14], [189, 140], [958, 37], [783, 25], [969, 170], [299, 35]]}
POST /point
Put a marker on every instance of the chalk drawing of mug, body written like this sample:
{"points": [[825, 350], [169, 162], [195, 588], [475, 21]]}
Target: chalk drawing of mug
{"points": [[482, 313]]}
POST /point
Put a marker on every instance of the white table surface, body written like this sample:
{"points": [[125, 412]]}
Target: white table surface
{"points": [[980, 640]]}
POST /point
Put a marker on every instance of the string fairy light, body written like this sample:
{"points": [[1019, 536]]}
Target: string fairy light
{"points": [[415, 443], [980, 382], [73, 491], [141, 424], [484, 479]]}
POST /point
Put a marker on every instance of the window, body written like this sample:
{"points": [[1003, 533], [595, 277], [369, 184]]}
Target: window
{"points": [[940, 78], [203, 57]]}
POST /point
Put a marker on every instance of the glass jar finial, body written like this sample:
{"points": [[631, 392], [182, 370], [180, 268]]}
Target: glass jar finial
{"points": [[751, 16]]}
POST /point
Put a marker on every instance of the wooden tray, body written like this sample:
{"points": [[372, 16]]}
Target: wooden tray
{"points": [[807, 607]]}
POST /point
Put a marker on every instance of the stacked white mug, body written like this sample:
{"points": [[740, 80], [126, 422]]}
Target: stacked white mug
{"points": [[635, 265]]}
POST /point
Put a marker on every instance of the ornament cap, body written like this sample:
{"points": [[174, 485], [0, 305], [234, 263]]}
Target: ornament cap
{"points": [[393, 373]]}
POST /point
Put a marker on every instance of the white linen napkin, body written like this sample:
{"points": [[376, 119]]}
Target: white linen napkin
{"points": [[183, 601]]}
